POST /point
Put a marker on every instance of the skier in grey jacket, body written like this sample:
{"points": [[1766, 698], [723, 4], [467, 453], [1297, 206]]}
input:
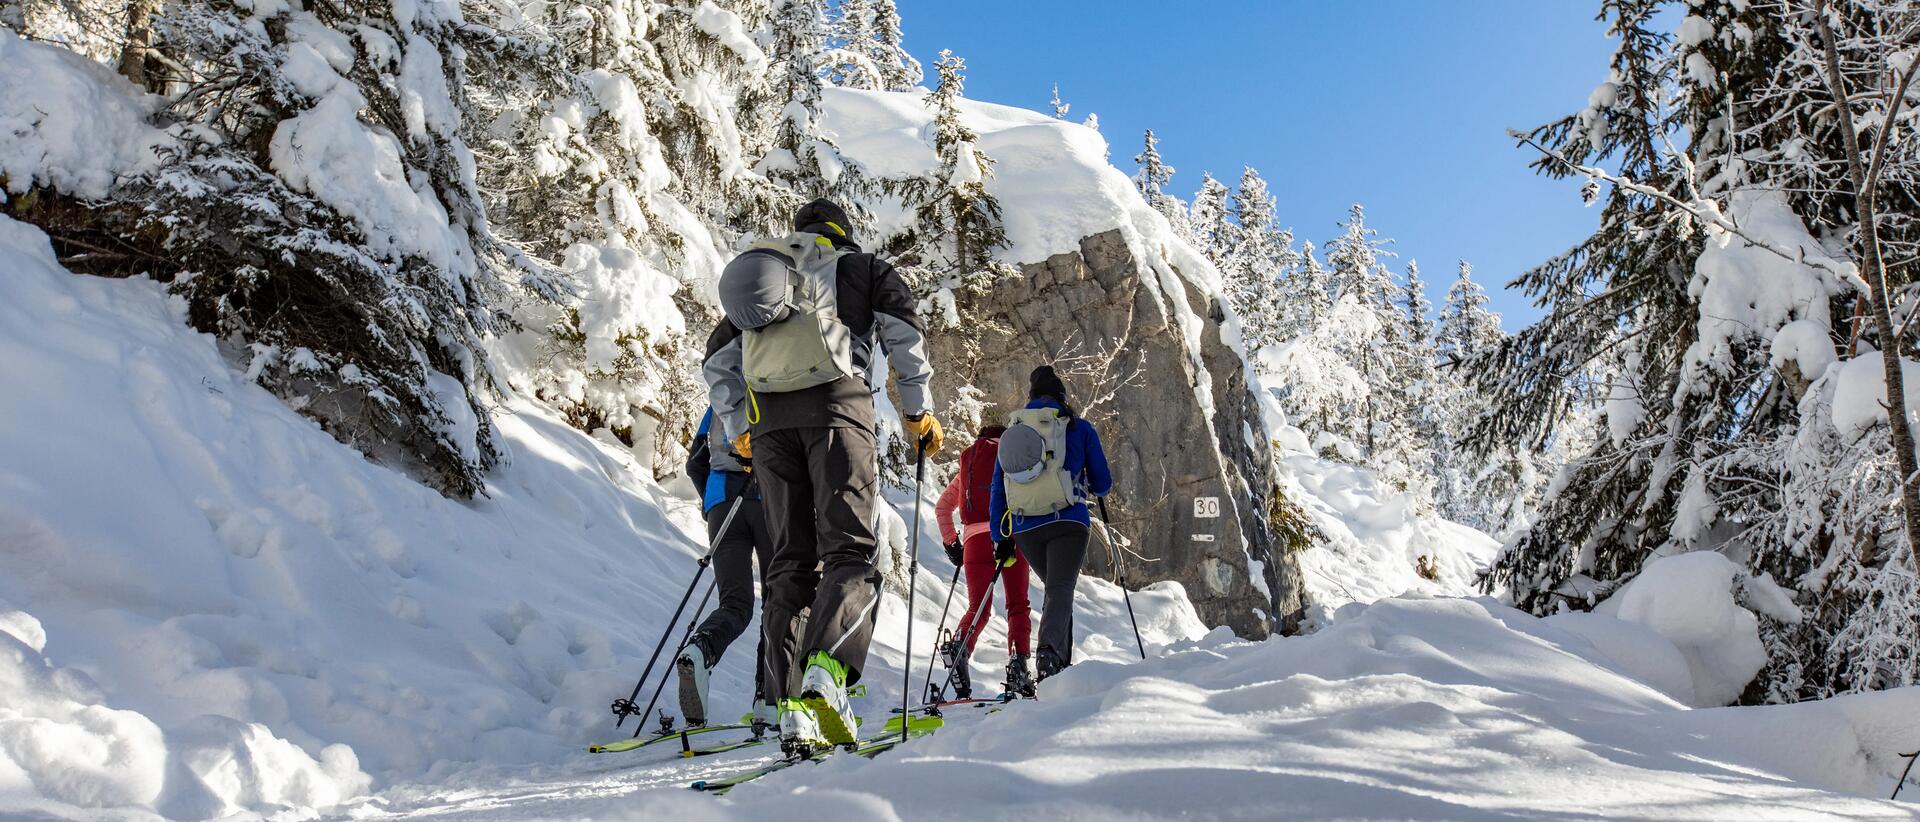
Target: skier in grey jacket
{"points": [[814, 454]]}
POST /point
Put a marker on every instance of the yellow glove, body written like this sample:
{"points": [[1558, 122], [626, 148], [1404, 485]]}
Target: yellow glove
{"points": [[926, 432], [743, 444]]}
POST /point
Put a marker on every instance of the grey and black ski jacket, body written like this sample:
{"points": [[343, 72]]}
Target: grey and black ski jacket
{"points": [[877, 306]]}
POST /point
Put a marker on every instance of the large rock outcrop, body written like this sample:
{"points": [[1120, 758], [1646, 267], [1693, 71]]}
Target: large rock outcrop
{"points": [[1190, 482]]}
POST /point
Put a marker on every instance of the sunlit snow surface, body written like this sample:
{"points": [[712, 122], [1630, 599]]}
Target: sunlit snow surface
{"points": [[1409, 708], [209, 606]]}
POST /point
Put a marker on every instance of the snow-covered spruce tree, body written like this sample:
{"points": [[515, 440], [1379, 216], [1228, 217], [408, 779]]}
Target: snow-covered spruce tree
{"points": [[1207, 225], [1740, 428], [1426, 398], [866, 49], [318, 212], [1258, 263], [1368, 331], [1616, 302], [956, 220], [800, 157], [1151, 181], [1821, 80], [576, 172], [1492, 490], [1058, 106], [847, 62], [1316, 382], [899, 68]]}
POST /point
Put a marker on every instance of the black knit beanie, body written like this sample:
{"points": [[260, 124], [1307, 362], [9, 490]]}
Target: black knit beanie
{"points": [[824, 218], [1044, 383]]}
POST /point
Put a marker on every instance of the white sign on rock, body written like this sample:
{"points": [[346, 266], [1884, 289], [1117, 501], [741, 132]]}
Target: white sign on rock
{"points": [[1206, 507]]}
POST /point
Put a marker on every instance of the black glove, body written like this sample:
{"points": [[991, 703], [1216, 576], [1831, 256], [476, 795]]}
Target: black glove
{"points": [[1003, 552], [954, 554]]}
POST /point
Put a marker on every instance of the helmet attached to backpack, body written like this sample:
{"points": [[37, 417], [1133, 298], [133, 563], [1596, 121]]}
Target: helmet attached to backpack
{"points": [[1033, 459], [782, 295]]}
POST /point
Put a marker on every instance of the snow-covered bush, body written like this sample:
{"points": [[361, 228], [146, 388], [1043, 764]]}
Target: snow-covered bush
{"points": [[315, 204]]}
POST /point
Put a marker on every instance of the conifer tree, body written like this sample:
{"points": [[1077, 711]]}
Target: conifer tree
{"points": [[898, 69], [1207, 225], [1375, 343], [1151, 181], [800, 156], [956, 220], [849, 62], [1058, 107]]}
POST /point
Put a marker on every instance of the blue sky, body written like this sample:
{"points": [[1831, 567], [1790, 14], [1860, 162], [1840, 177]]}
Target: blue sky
{"points": [[1401, 105]]}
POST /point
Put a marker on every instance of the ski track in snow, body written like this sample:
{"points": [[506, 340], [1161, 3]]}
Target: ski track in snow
{"points": [[1369, 718]]}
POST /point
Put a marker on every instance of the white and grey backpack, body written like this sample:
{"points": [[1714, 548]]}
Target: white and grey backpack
{"points": [[1033, 459], [782, 296]]}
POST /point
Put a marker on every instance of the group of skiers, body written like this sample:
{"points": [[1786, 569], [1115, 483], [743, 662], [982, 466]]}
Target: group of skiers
{"points": [[787, 462]]}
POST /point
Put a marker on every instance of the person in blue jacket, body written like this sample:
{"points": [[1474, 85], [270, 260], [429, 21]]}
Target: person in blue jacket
{"points": [[1055, 544], [723, 478]]}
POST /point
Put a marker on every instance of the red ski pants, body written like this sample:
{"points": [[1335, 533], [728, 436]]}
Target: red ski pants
{"points": [[977, 562]]}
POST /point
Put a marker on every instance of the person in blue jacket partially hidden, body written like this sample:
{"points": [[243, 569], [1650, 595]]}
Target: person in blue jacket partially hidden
{"points": [[1054, 544], [723, 478]]}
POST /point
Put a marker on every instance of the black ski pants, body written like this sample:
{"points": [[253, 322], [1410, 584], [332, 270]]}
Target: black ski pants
{"points": [[820, 486], [745, 541], [1056, 551]]}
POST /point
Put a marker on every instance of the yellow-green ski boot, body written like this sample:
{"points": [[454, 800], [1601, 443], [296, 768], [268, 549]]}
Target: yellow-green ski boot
{"points": [[824, 690]]}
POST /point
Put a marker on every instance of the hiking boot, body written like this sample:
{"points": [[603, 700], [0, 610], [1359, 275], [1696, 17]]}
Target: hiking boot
{"points": [[799, 730], [1050, 663], [824, 690], [957, 673], [692, 666], [1019, 678]]}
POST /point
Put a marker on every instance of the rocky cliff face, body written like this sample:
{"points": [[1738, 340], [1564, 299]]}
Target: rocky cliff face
{"points": [[1190, 476]]}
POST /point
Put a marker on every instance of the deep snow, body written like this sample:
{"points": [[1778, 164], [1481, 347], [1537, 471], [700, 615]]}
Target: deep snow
{"points": [[209, 606], [1408, 708], [211, 601]]}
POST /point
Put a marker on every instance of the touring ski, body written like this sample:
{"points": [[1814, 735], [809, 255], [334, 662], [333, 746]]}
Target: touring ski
{"points": [[637, 743], [918, 727], [948, 703]]}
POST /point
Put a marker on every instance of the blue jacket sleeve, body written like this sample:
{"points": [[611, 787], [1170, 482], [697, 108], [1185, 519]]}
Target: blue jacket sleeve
{"points": [[1099, 476], [997, 505]]}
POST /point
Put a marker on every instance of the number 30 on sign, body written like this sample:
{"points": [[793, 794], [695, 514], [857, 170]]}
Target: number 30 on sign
{"points": [[1206, 507]]}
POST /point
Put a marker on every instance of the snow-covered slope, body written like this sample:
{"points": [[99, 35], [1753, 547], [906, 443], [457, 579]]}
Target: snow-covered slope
{"points": [[211, 605], [1406, 709], [245, 613]]}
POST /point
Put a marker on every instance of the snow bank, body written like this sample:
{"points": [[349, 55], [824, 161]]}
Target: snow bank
{"points": [[1375, 542], [280, 624], [59, 739], [1406, 709], [1688, 600], [266, 598], [68, 122]]}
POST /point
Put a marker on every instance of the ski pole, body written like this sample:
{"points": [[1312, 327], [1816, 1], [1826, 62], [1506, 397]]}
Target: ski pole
{"points": [[943, 626], [913, 568], [1124, 593], [684, 639], [975, 616], [623, 708]]}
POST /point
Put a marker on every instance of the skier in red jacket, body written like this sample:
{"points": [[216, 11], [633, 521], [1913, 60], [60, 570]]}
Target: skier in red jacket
{"points": [[972, 549]]}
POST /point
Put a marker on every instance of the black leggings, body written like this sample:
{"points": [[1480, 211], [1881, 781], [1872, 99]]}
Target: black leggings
{"points": [[746, 540], [1056, 551]]}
